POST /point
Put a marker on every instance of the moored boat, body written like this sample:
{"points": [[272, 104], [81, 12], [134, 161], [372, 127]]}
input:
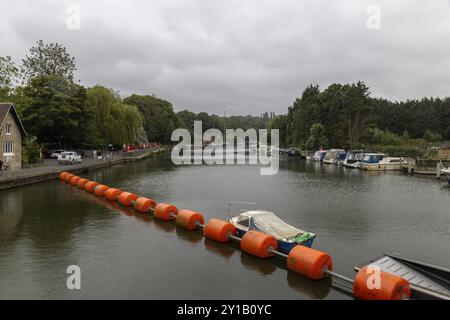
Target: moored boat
{"points": [[371, 158], [387, 164], [318, 155], [269, 223], [447, 172], [353, 158], [333, 156]]}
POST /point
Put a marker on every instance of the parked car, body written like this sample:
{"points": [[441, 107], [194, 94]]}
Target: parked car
{"points": [[69, 157], [56, 154]]}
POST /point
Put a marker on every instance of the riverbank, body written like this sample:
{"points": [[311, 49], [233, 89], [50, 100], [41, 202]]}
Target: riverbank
{"points": [[45, 173]]}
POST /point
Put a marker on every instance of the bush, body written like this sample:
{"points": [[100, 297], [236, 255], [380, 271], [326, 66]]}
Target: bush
{"points": [[398, 151], [31, 151], [377, 136], [431, 136]]}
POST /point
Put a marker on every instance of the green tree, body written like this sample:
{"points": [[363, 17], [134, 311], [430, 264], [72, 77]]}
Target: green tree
{"points": [[8, 76], [53, 109], [317, 138], [159, 118], [280, 123], [31, 150], [431, 136], [111, 120], [50, 59]]}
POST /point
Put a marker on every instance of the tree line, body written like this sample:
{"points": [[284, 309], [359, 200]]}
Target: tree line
{"points": [[345, 116], [59, 112]]}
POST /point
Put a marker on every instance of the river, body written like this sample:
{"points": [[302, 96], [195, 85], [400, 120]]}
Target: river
{"points": [[356, 215]]}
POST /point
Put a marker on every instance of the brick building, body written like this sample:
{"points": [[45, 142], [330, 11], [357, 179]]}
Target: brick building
{"points": [[11, 134]]}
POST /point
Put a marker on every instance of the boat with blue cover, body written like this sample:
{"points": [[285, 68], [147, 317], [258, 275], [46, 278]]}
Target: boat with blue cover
{"points": [[269, 223]]}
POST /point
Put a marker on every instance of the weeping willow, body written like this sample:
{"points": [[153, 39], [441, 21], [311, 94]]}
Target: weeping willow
{"points": [[112, 121]]}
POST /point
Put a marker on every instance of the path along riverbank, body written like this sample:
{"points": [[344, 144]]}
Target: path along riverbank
{"points": [[52, 170]]}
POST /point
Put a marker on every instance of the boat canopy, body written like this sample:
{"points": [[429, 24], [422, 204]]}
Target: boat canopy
{"points": [[268, 222], [373, 157]]}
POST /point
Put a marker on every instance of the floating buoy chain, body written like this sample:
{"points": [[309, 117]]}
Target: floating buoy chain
{"points": [[308, 262]]}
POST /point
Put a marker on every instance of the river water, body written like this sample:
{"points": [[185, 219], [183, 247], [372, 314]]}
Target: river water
{"points": [[356, 215]]}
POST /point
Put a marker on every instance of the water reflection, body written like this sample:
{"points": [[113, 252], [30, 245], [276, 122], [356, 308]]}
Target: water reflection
{"points": [[264, 267], [187, 235], [224, 249], [315, 289], [164, 225], [11, 215]]}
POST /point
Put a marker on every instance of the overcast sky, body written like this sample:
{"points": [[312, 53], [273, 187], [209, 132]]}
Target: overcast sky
{"points": [[244, 56]]}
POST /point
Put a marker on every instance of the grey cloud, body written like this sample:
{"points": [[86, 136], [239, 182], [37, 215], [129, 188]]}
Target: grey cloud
{"points": [[247, 57]]}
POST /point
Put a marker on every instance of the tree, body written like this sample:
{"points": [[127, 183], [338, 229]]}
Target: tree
{"points": [[159, 118], [53, 109], [317, 139], [280, 123], [431, 136], [112, 121], [48, 60], [31, 150], [8, 76]]}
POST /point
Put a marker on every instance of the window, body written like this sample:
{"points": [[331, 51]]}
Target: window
{"points": [[8, 128], [8, 147]]}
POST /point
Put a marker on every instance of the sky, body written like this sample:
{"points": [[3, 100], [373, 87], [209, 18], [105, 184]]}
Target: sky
{"points": [[241, 56]]}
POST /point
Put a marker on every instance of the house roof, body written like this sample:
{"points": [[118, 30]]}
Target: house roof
{"points": [[4, 109]]}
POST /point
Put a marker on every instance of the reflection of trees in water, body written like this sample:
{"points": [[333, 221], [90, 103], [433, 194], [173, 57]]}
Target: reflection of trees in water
{"points": [[56, 212], [11, 214], [127, 174]]}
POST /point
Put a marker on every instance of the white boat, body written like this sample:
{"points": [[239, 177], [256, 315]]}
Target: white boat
{"points": [[447, 172], [353, 159], [318, 155], [333, 156], [387, 164], [371, 158], [310, 156]]}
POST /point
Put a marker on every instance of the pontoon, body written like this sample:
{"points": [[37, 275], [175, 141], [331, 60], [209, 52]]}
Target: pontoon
{"points": [[427, 281]]}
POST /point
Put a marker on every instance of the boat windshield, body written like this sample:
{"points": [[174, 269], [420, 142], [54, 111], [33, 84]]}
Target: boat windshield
{"points": [[373, 158]]}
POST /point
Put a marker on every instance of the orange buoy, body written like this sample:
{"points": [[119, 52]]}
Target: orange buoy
{"points": [[144, 204], [371, 284], [112, 194], [219, 230], [68, 177], [309, 262], [258, 244], [126, 198], [165, 211], [189, 219], [81, 183], [90, 186], [100, 190], [74, 180], [62, 175]]}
